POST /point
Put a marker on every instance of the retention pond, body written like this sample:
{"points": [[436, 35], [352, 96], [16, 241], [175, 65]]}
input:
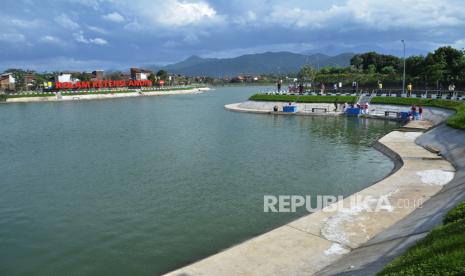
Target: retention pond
{"points": [[141, 186]]}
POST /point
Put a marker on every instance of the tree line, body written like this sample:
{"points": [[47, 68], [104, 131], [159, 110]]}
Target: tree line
{"points": [[437, 70]]}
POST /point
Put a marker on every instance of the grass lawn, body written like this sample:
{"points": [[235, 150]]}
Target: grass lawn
{"points": [[303, 99], [455, 121], [442, 252]]}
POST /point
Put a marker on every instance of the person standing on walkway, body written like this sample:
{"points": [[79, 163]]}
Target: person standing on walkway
{"points": [[279, 86], [413, 111], [409, 89]]}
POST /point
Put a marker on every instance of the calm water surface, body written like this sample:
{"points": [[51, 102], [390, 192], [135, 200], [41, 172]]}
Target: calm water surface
{"points": [[142, 186]]}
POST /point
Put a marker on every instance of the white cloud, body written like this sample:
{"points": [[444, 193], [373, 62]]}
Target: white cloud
{"points": [[169, 13], [368, 14], [184, 13], [12, 37], [95, 4], [459, 44], [97, 29], [20, 23], [134, 26], [98, 41], [246, 18], [66, 22], [50, 39], [79, 37], [114, 17]]}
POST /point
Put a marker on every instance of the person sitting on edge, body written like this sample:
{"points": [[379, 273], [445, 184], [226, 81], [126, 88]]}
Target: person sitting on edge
{"points": [[275, 108], [420, 111]]}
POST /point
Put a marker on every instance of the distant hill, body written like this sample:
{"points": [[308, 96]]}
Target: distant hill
{"points": [[253, 64]]}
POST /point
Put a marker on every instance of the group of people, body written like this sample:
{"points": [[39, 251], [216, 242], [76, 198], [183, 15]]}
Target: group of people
{"points": [[413, 114], [364, 108], [296, 88]]}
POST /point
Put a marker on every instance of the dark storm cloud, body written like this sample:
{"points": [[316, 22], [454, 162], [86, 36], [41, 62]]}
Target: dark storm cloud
{"points": [[73, 34]]}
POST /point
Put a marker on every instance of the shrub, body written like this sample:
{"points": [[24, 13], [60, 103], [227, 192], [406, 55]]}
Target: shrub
{"points": [[455, 214]]}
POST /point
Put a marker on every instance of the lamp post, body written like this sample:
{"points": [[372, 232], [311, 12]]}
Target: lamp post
{"points": [[403, 80]]}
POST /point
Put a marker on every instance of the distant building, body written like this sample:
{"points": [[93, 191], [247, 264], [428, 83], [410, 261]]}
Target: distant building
{"points": [[30, 80], [238, 79], [97, 75], [245, 78], [140, 74], [7, 81], [64, 77]]}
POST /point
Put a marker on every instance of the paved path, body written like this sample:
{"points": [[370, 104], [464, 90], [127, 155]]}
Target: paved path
{"points": [[313, 242], [94, 96]]}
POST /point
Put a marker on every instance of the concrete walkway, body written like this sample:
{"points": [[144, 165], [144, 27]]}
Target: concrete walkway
{"points": [[93, 96], [267, 108], [319, 240]]}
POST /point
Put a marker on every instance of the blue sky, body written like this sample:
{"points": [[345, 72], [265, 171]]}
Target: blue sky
{"points": [[117, 34]]}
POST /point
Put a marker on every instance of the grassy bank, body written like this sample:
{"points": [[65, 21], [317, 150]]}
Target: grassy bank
{"points": [[94, 92], [303, 99], [29, 95], [442, 252], [455, 121]]}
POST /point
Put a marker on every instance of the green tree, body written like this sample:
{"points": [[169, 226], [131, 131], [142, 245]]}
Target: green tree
{"points": [[379, 61], [82, 76], [453, 60], [415, 66], [152, 78], [116, 75], [371, 69], [307, 73], [388, 70], [162, 74]]}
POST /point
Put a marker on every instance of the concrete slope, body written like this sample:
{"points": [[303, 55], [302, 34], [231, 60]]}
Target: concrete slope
{"points": [[380, 250]]}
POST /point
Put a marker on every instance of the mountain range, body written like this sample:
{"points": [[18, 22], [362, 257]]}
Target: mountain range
{"points": [[254, 64]]}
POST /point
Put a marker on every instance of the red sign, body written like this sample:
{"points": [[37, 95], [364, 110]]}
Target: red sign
{"points": [[102, 84], [161, 82]]}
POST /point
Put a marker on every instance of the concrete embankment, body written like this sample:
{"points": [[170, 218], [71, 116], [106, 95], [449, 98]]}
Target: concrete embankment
{"points": [[327, 240], [93, 96], [372, 256]]}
